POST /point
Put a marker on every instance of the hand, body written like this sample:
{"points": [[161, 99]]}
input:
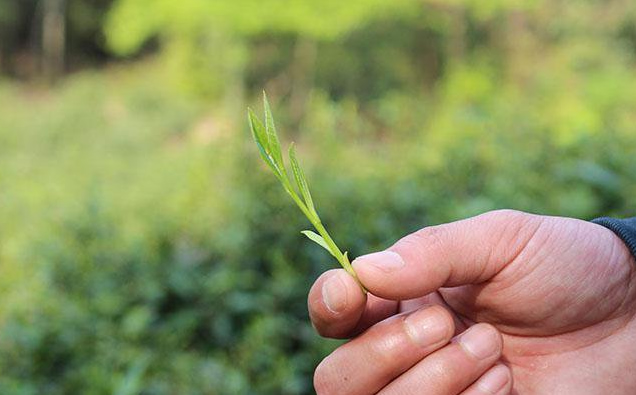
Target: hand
{"points": [[542, 305]]}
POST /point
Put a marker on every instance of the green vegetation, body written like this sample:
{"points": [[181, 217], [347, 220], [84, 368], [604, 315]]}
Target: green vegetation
{"points": [[142, 251], [268, 145]]}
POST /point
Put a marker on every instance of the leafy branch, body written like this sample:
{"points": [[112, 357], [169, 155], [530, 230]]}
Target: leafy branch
{"points": [[269, 148]]}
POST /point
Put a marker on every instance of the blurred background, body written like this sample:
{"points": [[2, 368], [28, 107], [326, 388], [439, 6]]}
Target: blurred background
{"points": [[144, 247]]}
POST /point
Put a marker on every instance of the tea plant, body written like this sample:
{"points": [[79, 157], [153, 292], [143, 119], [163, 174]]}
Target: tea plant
{"points": [[268, 144]]}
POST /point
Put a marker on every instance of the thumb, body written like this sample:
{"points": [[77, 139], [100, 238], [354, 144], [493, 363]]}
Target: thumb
{"points": [[469, 251]]}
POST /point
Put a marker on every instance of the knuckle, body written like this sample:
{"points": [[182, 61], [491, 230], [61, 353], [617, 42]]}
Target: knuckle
{"points": [[430, 235], [386, 342], [443, 325], [431, 238], [507, 215], [445, 372], [383, 350], [514, 229], [432, 241], [445, 317]]}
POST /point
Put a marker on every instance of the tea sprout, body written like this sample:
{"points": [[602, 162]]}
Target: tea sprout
{"points": [[269, 148]]}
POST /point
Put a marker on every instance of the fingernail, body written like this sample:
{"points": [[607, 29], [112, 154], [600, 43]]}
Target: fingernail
{"points": [[427, 327], [334, 294], [387, 261], [481, 341], [494, 380]]}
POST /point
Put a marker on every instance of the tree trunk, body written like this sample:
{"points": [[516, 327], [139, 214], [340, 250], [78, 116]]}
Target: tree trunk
{"points": [[53, 38], [457, 40], [518, 46], [3, 51]]}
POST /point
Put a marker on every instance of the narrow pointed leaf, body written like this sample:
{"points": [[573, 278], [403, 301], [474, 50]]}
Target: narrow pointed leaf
{"points": [[301, 181], [269, 148], [260, 137], [316, 238], [258, 130], [272, 137]]}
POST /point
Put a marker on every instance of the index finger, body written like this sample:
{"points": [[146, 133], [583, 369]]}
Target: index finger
{"points": [[339, 309]]}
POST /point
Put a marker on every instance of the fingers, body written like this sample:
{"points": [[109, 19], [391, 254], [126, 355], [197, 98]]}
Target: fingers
{"points": [[339, 309], [463, 252], [453, 368], [496, 381], [369, 362]]}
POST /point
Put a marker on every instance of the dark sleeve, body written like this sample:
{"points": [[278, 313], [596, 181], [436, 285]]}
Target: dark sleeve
{"points": [[624, 228]]}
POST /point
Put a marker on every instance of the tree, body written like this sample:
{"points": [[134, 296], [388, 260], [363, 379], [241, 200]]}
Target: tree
{"points": [[53, 38]]}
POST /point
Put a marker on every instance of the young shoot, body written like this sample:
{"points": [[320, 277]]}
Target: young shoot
{"points": [[268, 145]]}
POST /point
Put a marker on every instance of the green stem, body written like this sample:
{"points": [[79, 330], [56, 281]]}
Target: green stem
{"points": [[315, 221], [342, 258]]}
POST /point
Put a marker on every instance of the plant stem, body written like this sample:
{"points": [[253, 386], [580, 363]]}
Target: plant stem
{"points": [[342, 258], [317, 223]]}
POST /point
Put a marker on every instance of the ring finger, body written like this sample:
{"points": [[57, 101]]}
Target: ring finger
{"points": [[453, 368]]}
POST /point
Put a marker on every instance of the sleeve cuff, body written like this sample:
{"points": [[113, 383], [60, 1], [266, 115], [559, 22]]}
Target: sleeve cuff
{"points": [[624, 228]]}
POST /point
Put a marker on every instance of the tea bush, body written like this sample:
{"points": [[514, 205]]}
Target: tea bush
{"points": [[145, 249]]}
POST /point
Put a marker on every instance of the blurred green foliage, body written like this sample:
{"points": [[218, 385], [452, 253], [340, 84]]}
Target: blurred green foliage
{"points": [[144, 249]]}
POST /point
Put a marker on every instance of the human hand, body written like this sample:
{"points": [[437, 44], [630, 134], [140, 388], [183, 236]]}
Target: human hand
{"points": [[554, 299]]}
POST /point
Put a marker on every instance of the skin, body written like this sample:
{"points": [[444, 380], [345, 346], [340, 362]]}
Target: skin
{"points": [[502, 303]]}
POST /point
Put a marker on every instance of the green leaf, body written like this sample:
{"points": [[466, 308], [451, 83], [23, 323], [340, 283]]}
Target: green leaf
{"points": [[269, 148], [258, 130], [316, 238], [301, 181], [272, 137], [260, 137]]}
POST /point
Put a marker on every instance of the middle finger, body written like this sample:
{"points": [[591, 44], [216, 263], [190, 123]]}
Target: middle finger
{"points": [[386, 350]]}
